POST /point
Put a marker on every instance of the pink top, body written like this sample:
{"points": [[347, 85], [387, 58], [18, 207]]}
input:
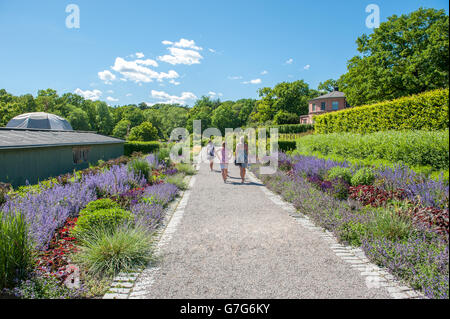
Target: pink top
{"points": [[224, 155]]}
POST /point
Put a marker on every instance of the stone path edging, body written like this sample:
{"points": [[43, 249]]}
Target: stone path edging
{"points": [[375, 276], [124, 284]]}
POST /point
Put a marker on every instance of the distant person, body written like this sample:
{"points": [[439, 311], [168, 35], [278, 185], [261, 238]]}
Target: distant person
{"points": [[242, 157], [210, 151], [224, 155]]}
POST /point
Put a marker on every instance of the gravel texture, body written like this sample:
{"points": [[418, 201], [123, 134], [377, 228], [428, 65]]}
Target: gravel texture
{"points": [[234, 242]]}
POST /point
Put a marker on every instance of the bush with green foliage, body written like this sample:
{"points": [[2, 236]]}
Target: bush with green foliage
{"points": [[177, 180], [144, 147], [16, 253], [288, 128], [143, 133], [283, 117], [106, 219], [363, 176], [425, 111], [340, 172], [104, 203], [186, 169], [139, 167], [285, 146], [413, 148], [104, 253]]}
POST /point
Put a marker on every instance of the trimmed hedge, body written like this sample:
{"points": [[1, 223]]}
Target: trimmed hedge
{"points": [[289, 128], [285, 146], [144, 147], [425, 111], [414, 148]]}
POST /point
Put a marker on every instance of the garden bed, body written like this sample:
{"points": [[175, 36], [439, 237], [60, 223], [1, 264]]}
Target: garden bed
{"points": [[399, 218], [80, 230]]}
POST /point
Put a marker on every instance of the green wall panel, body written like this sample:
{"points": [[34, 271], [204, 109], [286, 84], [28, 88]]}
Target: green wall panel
{"points": [[37, 164]]}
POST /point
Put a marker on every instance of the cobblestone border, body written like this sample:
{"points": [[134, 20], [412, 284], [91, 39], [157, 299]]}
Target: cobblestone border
{"points": [[375, 276], [124, 284]]}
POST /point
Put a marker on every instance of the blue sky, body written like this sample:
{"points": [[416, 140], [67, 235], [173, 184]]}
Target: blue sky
{"points": [[160, 51]]}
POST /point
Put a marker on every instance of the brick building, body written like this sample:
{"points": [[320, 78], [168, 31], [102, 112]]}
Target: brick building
{"points": [[330, 102]]}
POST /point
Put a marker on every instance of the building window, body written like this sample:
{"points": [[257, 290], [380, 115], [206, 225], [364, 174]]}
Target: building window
{"points": [[323, 106], [313, 107], [335, 105], [80, 154]]}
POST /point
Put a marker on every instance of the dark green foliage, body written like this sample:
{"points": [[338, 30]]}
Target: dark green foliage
{"points": [[405, 55], [283, 117], [285, 146], [16, 257], [144, 147], [426, 111]]}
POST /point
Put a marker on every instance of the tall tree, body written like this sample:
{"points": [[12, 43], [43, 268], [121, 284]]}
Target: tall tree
{"points": [[405, 55]]}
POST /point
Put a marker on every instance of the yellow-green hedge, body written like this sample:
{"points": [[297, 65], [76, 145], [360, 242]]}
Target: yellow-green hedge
{"points": [[425, 111]]}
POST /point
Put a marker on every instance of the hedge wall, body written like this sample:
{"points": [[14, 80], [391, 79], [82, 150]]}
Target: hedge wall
{"points": [[285, 146], [144, 147], [425, 111], [289, 128]]}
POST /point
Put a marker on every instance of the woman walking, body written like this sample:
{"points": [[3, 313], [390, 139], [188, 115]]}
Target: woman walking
{"points": [[224, 156], [242, 157], [210, 151]]}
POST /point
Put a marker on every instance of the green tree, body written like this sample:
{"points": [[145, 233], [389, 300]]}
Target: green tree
{"points": [[121, 129], [105, 123], [328, 85], [78, 119], [223, 117], [289, 97], [283, 117], [405, 55], [143, 133]]}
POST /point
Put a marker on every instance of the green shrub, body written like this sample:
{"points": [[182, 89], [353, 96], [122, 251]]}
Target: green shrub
{"points": [[413, 148], [187, 169], [144, 147], [388, 224], [139, 167], [107, 219], [283, 118], [105, 253], [177, 180], [144, 132], [425, 111], [340, 172], [285, 146], [352, 232], [16, 253], [104, 203], [364, 176]]}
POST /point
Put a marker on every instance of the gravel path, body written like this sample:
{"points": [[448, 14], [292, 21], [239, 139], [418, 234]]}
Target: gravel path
{"points": [[234, 242]]}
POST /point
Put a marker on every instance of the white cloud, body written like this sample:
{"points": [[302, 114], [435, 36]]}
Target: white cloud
{"points": [[212, 50], [264, 72], [255, 81], [214, 94], [134, 71], [307, 67], [183, 43], [174, 82], [172, 99], [111, 99], [129, 94], [237, 77], [139, 55], [147, 62], [181, 56], [89, 95], [290, 61], [110, 91], [106, 76]]}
